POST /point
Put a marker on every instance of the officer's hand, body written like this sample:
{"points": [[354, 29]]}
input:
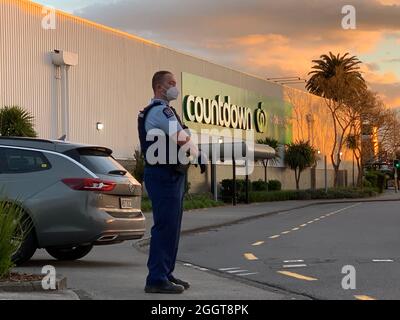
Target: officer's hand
{"points": [[202, 161]]}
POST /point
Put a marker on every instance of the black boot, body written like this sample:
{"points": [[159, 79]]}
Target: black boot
{"points": [[167, 287]]}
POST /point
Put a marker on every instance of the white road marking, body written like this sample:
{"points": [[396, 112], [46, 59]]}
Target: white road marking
{"points": [[285, 232], [343, 209], [383, 260], [295, 229], [292, 261], [247, 274], [226, 269], [259, 243], [274, 237], [237, 271], [294, 265]]}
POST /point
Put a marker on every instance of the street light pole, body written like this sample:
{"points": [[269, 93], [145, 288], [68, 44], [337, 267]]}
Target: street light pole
{"points": [[326, 173], [354, 183]]}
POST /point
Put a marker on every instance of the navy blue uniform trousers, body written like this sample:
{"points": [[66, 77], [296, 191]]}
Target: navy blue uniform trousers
{"points": [[165, 188]]}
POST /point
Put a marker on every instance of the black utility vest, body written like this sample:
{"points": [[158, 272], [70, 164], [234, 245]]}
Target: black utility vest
{"points": [[144, 144]]}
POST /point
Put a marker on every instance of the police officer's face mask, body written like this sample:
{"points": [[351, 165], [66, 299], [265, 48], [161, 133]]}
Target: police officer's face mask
{"points": [[172, 94]]}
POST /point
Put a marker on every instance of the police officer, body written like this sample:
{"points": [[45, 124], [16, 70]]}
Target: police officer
{"points": [[165, 182]]}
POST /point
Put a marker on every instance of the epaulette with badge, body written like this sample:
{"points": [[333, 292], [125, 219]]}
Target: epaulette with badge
{"points": [[168, 112]]}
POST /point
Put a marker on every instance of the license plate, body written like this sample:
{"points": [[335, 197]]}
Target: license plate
{"points": [[126, 203]]}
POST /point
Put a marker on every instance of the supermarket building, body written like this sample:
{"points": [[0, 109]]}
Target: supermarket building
{"points": [[97, 97]]}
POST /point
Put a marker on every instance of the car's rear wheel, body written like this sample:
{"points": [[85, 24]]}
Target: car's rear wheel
{"points": [[69, 254], [25, 241]]}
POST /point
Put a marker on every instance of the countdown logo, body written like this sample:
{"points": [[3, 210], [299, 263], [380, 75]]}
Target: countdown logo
{"points": [[220, 112]]}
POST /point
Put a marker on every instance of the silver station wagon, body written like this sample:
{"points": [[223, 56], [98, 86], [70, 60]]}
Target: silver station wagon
{"points": [[74, 196]]}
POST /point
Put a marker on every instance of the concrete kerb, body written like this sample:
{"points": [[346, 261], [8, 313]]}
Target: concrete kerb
{"points": [[32, 286], [140, 244]]}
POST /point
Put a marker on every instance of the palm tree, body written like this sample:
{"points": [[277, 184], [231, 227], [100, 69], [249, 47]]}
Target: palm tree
{"points": [[274, 144], [299, 156], [342, 70], [16, 122], [337, 79]]}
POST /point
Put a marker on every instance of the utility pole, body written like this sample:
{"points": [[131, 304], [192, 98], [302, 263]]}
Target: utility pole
{"points": [[394, 155]]}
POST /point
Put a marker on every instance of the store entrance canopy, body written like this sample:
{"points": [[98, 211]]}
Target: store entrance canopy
{"points": [[235, 152]]}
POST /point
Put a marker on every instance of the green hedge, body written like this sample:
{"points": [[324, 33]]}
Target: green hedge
{"points": [[226, 191], [191, 201], [340, 193], [259, 185]]}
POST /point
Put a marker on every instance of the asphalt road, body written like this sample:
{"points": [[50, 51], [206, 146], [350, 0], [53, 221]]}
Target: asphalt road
{"points": [[304, 251]]}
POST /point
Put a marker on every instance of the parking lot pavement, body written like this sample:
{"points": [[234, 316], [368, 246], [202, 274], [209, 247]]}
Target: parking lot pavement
{"points": [[119, 272]]}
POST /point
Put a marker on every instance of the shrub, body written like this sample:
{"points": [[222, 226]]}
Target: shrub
{"points": [[259, 185], [10, 219], [372, 178], [16, 122], [381, 181], [193, 201], [138, 171], [376, 179], [343, 193], [367, 184], [227, 189], [274, 185]]}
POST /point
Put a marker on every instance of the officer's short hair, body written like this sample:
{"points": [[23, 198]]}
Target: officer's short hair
{"points": [[158, 78]]}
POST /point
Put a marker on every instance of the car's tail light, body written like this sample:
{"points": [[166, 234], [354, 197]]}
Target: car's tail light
{"points": [[89, 184]]}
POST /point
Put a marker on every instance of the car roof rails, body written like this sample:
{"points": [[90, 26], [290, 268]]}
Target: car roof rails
{"points": [[26, 139]]}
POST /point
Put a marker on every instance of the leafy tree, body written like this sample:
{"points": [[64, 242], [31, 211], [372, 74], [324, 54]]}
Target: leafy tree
{"points": [[298, 157]]}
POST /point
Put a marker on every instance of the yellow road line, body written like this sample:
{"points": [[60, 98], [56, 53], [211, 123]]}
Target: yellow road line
{"points": [[297, 276], [250, 256], [364, 298], [258, 243], [274, 237]]}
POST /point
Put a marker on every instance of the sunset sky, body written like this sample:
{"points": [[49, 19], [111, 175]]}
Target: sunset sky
{"points": [[268, 38]]}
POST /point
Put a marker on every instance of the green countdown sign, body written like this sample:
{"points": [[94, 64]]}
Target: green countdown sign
{"points": [[208, 104]]}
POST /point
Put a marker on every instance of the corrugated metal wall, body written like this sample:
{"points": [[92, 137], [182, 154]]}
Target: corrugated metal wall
{"points": [[111, 83]]}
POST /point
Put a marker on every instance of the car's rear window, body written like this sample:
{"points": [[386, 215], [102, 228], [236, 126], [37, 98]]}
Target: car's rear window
{"points": [[95, 160]]}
